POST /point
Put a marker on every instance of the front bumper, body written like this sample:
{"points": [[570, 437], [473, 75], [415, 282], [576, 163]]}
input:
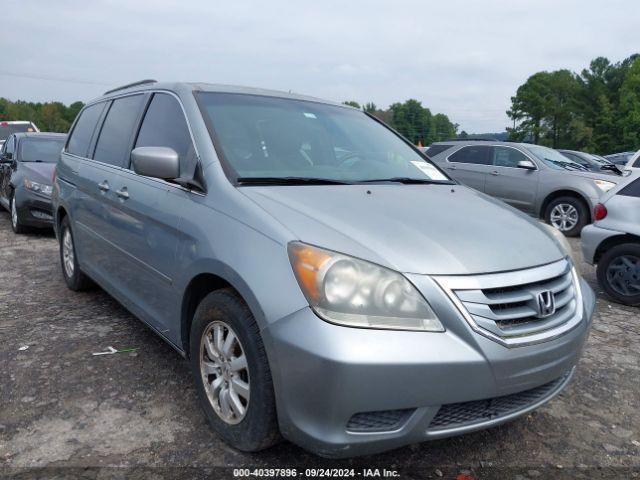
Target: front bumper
{"points": [[34, 209], [324, 375]]}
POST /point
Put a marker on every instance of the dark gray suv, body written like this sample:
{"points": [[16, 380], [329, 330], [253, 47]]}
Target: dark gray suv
{"points": [[325, 280]]}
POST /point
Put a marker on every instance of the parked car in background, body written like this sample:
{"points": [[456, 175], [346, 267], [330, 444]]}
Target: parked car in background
{"points": [[592, 162], [621, 158], [27, 163], [15, 126], [326, 281], [535, 179], [613, 241]]}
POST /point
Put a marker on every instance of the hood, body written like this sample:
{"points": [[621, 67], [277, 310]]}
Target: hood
{"points": [[38, 172], [601, 175], [423, 229]]}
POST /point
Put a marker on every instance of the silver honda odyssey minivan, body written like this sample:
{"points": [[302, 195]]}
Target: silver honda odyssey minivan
{"points": [[327, 283]]}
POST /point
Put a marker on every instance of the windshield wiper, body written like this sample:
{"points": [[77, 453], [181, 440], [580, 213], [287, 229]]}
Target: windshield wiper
{"points": [[289, 181], [407, 181], [612, 167]]}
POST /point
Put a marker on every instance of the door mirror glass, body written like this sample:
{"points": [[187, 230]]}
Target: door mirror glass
{"points": [[526, 164], [156, 162]]}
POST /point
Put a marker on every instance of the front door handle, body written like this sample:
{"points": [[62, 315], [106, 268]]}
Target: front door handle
{"points": [[104, 186], [122, 193], [494, 173]]}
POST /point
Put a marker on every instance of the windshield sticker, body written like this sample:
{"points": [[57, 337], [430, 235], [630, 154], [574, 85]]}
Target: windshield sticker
{"points": [[429, 170], [309, 115]]}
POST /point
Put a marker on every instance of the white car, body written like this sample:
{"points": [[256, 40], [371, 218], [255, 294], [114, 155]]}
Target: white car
{"points": [[15, 126]]}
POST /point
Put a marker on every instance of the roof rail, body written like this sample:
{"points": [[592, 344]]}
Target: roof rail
{"points": [[134, 84]]}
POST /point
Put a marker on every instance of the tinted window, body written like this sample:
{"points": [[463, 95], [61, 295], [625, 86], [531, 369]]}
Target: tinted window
{"points": [[478, 154], [164, 125], [436, 149], [41, 149], [631, 190], [115, 136], [83, 130], [637, 162], [507, 157]]}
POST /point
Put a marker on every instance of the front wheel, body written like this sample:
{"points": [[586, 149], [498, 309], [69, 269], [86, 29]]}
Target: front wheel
{"points": [[567, 214], [619, 273], [231, 372], [75, 278], [16, 226]]}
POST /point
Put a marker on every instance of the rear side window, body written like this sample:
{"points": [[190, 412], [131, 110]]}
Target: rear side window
{"points": [[115, 137], [80, 137], [507, 157], [476, 154], [631, 190], [164, 125], [436, 149]]}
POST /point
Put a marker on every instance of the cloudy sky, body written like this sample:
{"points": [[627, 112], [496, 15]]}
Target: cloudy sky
{"points": [[461, 58]]}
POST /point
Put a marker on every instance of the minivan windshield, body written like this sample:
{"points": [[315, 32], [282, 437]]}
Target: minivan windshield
{"points": [[554, 159], [271, 140], [45, 150]]}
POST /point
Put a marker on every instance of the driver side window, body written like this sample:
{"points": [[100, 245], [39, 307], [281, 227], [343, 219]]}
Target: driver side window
{"points": [[507, 157]]}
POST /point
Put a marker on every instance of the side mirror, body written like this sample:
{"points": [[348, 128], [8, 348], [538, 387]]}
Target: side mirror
{"points": [[7, 157], [156, 162], [527, 165]]}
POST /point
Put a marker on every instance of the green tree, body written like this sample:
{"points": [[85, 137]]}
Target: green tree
{"points": [[352, 103], [629, 122]]}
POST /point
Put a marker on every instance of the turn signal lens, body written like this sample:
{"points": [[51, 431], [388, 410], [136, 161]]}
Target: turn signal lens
{"points": [[349, 291], [599, 211]]}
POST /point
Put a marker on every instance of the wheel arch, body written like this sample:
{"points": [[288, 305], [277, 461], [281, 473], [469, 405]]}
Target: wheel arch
{"points": [[614, 241], [564, 193], [215, 277]]}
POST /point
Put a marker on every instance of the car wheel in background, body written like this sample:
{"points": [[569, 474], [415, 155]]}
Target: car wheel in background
{"points": [[231, 372], [567, 214], [16, 226], [619, 273], [74, 277]]}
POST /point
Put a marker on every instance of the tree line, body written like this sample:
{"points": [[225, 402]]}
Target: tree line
{"points": [[48, 116], [412, 120], [596, 110]]}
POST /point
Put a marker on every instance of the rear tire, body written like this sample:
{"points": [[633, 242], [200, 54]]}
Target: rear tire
{"points": [[619, 273], [252, 424], [75, 278], [567, 214], [16, 226]]}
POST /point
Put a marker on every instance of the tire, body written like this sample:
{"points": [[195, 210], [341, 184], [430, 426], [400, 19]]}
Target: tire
{"points": [[75, 278], [223, 312], [16, 226], [619, 265], [571, 212]]}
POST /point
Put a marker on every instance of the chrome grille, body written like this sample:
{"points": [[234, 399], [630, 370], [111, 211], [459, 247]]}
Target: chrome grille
{"points": [[516, 306]]}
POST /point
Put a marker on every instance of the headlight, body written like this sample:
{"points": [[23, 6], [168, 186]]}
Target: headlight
{"points": [[348, 291], [562, 240], [604, 185], [37, 187]]}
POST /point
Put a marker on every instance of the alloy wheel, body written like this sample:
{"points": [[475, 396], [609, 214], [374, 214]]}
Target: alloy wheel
{"points": [[225, 373], [68, 257], [14, 213], [564, 217], [623, 275]]}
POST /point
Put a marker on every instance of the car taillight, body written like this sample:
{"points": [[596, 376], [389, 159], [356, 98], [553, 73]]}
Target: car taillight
{"points": [[599, 212]]}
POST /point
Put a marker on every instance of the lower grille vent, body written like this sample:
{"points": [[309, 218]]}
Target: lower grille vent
{"points": [[381, 421], [468, 413]]}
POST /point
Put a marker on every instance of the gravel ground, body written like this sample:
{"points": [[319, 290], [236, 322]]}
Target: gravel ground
{"points": [[64, 412]]}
